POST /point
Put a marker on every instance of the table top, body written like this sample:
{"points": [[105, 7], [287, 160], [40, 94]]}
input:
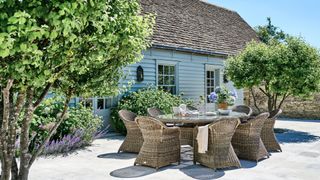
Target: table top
{"points": [[198, 119]]}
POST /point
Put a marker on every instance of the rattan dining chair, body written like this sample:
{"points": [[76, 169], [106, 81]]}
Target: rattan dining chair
{"points": [[191, 108], [133, 141], [161, 145], [247, 142], [220, 152], [186, 132], [154, 112], [243, 109], [267, 134]]}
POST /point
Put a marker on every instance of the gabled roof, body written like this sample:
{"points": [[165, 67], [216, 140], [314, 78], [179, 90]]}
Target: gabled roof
{"points": [[197, 26]]}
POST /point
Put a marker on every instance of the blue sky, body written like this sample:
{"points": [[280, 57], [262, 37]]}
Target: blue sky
{"points": [[295, 17]]}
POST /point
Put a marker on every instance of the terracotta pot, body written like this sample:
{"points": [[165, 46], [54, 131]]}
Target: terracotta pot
{"points": [[223, 106]]}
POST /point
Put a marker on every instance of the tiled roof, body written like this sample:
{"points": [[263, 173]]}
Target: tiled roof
{"points": [[198, 26]]}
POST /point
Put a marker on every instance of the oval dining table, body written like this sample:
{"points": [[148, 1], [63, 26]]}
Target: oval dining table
{"points": [[199, 119], [188, 123]]}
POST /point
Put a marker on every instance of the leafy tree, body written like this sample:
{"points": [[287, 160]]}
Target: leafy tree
{"points": [[68, 47], [278, 70], [270, 33]]}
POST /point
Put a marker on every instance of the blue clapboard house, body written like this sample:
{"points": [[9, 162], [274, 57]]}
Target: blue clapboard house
{"points": [[191, 42]]}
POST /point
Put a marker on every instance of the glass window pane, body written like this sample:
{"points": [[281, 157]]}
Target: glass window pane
{"points": [[173, 90], [160, 69], [88, 103], [208, 82], [212, 83], [172, 70], [108, 103], [166, 70], [166, 80], [100, 103], [172, 80], [208, 74], [160, 80]]}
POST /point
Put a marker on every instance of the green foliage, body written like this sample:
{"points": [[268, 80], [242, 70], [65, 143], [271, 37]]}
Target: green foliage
{"points": [[139, 101], [78, 45], [270, 33], [278, 69], [77, 118], [74, 47]]}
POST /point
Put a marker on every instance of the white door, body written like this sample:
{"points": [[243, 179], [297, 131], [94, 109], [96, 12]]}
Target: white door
{"points": [[212, 80]]}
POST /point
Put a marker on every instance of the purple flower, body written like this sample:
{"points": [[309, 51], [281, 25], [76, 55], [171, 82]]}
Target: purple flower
{"points": [[213, 96]]}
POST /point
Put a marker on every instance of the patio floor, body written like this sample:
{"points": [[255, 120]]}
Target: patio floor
{"points": [[300, 159]]}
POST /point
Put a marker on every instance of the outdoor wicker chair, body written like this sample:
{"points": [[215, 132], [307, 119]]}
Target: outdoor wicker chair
{"points": [[267, 134], [191, 108], [220, 152], [154, 112], [243, 109], [161, 145], [247, 142], [134, 139]]}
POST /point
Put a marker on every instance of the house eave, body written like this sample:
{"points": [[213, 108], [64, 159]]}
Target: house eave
{"points": [[182, 49]]}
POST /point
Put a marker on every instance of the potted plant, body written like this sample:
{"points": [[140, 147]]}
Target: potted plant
{"points": [[223, 98]]}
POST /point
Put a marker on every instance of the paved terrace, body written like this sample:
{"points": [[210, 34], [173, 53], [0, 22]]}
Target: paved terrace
{"points": [[300, 159]]}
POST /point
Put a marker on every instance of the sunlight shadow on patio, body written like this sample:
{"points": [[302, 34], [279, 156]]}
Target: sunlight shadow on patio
{"points": [[201, 172], [118, 155], [133, 172], [247, 164], [292, 136]]}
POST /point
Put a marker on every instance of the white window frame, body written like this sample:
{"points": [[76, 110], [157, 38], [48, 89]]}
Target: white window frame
{"points": [[175, 75]]}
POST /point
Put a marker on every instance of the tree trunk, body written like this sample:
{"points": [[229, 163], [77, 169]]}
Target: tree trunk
{"points": [[4, 131], [14, 169], [24, 137], [254, 100]]}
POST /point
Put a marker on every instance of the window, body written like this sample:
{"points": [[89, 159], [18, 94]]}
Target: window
{"points": [[86, 102], [212, 80], [166, 78]]}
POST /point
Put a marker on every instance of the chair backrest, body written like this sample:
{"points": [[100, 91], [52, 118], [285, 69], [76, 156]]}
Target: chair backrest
{"points": [[243, 109], [259, 120], [154, 112], [220, 135], [126, 115], [191, 108], [150, 127], [225, 125], [275, 113]]}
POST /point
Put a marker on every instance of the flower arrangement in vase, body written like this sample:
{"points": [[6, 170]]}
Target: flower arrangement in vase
{"points": [[223, 98]]}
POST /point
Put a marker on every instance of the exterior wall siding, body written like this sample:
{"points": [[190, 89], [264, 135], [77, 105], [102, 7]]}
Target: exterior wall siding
{"points": [[190, 71]]}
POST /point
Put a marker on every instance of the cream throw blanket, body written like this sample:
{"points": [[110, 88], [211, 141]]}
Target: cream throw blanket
{"points": [[202, 139]]}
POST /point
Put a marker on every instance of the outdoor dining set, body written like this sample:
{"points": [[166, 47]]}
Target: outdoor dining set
{"points": [[218, 141]]}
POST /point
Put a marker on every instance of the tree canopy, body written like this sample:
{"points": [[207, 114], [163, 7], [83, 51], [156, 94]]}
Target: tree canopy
{"points": [[279, 70], [269, 33], [71, 47]]}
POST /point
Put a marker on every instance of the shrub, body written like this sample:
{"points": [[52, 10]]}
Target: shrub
{"points": [[70, 142], [139, 101], [78, 118]]}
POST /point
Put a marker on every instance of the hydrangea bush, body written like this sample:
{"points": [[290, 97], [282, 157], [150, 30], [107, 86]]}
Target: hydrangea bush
{"points": [[223, 95]]}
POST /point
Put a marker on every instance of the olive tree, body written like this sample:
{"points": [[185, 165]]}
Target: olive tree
{"points": [[70, 47], [277, 70]]}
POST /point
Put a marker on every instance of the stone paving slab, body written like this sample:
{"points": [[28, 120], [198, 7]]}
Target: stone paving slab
{"points": [[299, 160]]}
